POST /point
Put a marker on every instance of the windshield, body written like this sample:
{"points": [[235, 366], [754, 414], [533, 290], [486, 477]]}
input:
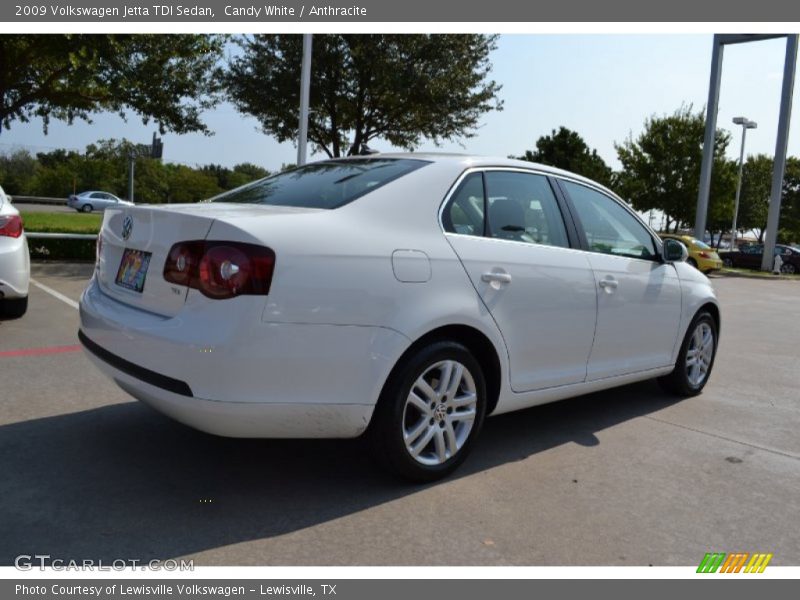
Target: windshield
{"points": [[328, 184]]}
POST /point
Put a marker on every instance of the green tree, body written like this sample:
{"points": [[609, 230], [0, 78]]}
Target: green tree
{"points": [[245, 173], [789, 231], [566, 149], [185, 184], [756, 189], [168, 78], [17, 171], [661, 167], [399, 88]]}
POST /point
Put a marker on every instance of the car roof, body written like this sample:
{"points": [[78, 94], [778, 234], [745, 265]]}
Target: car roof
{"points": [[477, 161]]}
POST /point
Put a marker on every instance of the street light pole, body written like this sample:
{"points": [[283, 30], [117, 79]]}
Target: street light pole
{"points": [[305, 92], [746, 124]]}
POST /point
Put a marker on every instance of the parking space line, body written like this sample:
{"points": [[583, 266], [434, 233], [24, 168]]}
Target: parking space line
{"points": [[40, 351], [55, 294]]}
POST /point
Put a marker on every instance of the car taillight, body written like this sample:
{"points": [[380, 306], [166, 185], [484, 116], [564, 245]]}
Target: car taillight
{"points": [[98, 249], [11, 226], [704, 254], [221, 270]]}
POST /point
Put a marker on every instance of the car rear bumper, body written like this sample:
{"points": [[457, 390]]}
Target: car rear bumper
{"points": [[15, 267], [241, 378], [708, 265]]}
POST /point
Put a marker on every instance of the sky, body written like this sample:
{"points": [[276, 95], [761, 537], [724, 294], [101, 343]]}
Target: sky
{"points": [[603, 86]]}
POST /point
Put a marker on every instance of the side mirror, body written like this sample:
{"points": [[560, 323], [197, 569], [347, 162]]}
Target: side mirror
{"points": [[674, 251]]}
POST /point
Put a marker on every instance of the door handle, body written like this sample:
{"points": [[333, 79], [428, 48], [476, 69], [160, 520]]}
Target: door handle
{"points": [[496, 277], [608, 284]]}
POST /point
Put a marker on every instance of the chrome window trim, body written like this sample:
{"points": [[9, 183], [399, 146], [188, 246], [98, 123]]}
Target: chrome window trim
{"points": [[472, 170]]}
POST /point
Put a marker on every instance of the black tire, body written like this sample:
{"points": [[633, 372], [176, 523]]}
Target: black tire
{"points": [[788, 269], [679, 382], [727, 262], [13, 308], [87, 208], [692, 262], [391, 417]]}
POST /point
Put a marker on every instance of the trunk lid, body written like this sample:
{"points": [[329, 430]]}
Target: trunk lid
{"points": [[135, 235]]}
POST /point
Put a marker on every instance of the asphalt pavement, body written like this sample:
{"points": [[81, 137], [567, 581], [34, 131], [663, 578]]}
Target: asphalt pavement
{"points": [[625, 477]]}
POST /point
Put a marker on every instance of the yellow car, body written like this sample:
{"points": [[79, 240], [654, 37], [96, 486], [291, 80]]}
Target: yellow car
{"points": [[701, 256]]}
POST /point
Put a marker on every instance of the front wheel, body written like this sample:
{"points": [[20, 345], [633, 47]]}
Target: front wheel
{"points": [[695, 359], [788, 269], [430, 412], [87, 208]]}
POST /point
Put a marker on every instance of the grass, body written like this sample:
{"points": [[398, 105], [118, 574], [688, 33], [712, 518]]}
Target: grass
{"points": [[44, 222]]}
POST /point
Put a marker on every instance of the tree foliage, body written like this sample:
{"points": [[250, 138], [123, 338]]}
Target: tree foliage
{"points": [[566, 149], [399, 88], [170, 79], [756, 189], [104, 166], [661, 168], [789, 231]]}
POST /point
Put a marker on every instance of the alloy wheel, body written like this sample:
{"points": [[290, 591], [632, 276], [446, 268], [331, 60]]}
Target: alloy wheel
{"points": [[700, 354], [439, 412]]}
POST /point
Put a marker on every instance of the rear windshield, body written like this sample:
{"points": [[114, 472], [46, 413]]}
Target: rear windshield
{"points": [[701, 245], [327, 184]]}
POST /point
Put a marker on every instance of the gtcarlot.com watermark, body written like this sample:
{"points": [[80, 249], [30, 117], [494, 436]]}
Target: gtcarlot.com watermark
{"points": [[29, 562]]}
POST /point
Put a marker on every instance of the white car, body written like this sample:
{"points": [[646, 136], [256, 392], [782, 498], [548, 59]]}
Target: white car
{"points": [[404, 296], [15, 267], [90, 201]]}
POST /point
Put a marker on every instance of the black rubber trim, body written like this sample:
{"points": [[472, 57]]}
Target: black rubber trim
{"points": [[157, 379]]}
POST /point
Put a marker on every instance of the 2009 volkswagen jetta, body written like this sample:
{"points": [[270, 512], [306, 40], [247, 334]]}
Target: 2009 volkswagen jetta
{"points": [[404, 296]]}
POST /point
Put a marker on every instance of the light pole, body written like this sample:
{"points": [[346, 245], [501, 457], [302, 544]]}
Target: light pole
{"points": [[746, 124], [305, 92]]}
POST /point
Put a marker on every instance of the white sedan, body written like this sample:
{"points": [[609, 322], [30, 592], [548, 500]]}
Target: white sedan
{"points": [[15, 268], [405, 296]]}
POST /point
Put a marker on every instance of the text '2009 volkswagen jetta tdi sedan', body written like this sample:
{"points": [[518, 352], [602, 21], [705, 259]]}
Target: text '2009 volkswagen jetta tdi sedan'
{"points": [[403, 296]]}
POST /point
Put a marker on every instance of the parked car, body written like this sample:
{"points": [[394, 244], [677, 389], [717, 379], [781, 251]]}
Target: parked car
{"points": [[701, 256], [91, 201], [15, 268], [400, 296], [749, 257]]}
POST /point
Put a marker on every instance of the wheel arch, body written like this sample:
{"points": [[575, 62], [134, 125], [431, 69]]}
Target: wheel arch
{"points": [[479, 345]]}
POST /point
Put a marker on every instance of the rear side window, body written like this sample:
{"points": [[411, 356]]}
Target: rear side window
{"points": [[328, 184], [523, 208]]}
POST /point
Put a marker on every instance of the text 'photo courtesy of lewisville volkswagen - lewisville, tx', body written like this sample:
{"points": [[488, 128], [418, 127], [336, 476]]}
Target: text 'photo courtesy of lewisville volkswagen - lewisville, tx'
{"points": [[512, 301]]}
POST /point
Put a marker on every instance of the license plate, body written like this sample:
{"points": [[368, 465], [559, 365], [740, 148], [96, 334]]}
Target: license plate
{"points": [[133, 269]]}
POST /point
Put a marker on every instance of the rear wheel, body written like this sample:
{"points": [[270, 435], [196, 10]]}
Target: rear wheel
{"points": [[695, 359], [87, 208], [727, 262], [13, 308], [430, 412], [692, 262]]}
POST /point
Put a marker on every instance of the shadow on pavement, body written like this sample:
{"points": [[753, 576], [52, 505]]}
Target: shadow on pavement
{"points": [[124, 482]]}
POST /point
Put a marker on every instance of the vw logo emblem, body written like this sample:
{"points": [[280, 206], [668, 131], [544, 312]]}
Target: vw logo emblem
{"points": [[127, 227]]}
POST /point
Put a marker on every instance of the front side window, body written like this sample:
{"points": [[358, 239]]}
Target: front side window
{"points": [[609, 228], [523, 208], [328, 184]]}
